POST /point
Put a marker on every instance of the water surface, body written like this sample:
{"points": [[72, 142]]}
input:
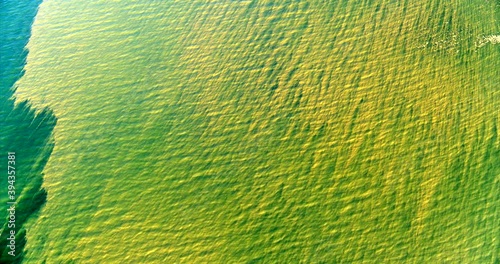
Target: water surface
{"points": [[268, 131]]}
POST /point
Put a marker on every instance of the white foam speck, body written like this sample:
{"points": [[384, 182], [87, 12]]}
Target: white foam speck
{"points": [[492, 39]]}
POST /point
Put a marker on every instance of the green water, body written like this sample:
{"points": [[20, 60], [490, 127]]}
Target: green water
{"points": [[25, 135], [268, 131]]}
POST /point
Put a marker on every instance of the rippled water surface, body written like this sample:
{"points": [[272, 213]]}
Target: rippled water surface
{"points": [[268, 131]]}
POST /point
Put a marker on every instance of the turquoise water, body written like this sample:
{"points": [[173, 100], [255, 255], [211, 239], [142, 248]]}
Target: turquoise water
{"points": [[267, 131]]}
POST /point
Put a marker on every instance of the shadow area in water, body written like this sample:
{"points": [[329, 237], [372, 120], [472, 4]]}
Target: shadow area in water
{"points": [[26, 131], [29, 135]]}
